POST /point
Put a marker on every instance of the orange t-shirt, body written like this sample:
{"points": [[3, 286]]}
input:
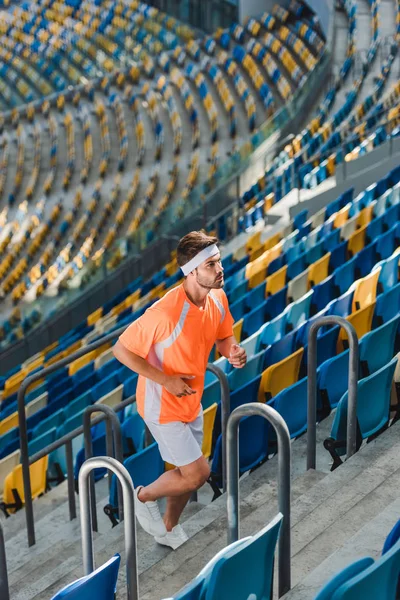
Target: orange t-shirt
{"points": [[176, 336]]}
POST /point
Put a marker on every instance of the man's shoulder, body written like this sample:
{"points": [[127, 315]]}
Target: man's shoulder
{"points": [[169, 304]]}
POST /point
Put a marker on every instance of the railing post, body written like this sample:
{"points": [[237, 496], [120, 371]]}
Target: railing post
{"points": [[312, 387], [225, 412], [130, 526], [4, 591], [23, 430], [70, 480], [284, 472], [113, 432]]}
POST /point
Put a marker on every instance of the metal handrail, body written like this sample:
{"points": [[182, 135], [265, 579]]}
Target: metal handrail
{"points": [[284, 470], [225, 411], [66, 440], [4, 591], [23, 430], [123, 476], [312, 387], [114, 449]]}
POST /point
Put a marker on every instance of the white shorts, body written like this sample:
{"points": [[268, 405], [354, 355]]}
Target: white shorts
{"points": [[179, 443]]}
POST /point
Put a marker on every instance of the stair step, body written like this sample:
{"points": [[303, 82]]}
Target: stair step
{"points": [[368, 541]]}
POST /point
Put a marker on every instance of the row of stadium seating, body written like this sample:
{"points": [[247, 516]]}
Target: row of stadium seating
{"points": [[283, 282], [223, 575]]}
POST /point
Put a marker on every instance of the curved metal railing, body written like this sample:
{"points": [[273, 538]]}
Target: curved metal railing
{"points": [[113, 447], [123, 476], [284, 470], [312, 387]]}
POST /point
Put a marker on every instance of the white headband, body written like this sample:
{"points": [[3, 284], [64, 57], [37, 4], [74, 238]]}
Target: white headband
{"points": [[199, 258]]}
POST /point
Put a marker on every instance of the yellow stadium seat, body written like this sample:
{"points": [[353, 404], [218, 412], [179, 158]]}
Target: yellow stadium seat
{"points": [[357, 241], [9, 423], [341, 217], [365, 291], [365, 216], [318, 271], [361, 321], [13, 495], [81, 362], [95, 316], [237, 330], [276, 281], [209, 420], [253, 242], [279, 376], [257, 277]]}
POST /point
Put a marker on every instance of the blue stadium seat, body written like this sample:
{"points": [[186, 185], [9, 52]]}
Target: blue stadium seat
{"points": [[389, 274], [344, 275], [133, 434], [373, 404], [341, 307], [392, 538], [253, 447], [298, 312], [246, 571], [280, 349], [377, 346], [144, 467], [291, 404], [379, 580], [348, 573], [387, 305], [323, 294], [273, 331], [332, 379], [101, 584], [239, 377]]}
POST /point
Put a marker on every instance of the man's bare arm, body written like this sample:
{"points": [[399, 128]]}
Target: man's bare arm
{"points": [[138, 364], [175, 384]]}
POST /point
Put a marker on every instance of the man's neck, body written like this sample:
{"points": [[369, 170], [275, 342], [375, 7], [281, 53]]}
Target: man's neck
{"points": [[197, 296]]}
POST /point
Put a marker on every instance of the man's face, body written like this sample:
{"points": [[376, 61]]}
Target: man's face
{"points": [[210, 274]]}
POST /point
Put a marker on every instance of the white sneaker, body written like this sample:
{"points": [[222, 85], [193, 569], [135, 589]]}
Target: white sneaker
{"points": [[149, 517], [173, 539]]}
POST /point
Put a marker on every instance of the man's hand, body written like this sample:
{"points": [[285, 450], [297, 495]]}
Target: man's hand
{"points": [[176, 385], [237, 357]]}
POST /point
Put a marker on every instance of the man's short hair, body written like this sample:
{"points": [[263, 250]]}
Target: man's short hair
{"points": [[191, 244]]}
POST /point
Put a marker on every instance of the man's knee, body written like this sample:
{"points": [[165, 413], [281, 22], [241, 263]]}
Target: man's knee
{"points": [[196, 474]]}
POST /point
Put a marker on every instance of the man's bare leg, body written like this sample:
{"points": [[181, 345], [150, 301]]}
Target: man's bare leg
{"points": [[178, 482], [175, 507]]}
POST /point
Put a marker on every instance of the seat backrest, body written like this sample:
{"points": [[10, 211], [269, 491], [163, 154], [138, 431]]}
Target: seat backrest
{"points": [[298, 286], [279, 376], [7, 464], [389, 273], [373, 403], [211, 394], [361, 321], [387, 304], [246, 571], [14, 480], [379, 580], [365, 291], [318, 271], [113, 397], [344, 275], [298, 312], [100, 584], [377, 346], [239, 377], [392, 538], [276, 281], [208, 426], [347, 573], [291, 404], [36, 404], [133, 428], [144, 467], [332, 378]]}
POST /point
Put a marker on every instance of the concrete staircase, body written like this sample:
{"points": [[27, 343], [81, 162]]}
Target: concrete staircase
{"points": [[332, 513]]}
